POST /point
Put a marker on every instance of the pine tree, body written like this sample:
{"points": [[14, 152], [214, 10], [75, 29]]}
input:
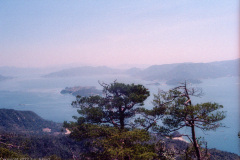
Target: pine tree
{"points": [[106, 123], [176, 110]]}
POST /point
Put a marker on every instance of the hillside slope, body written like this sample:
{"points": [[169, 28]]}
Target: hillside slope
{"points": [[45, 145], [193, 72], [166, 72], [26, 122], [83, 71]]}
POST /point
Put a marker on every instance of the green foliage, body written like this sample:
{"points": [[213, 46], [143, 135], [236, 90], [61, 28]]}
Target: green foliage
{"points": [[6, 153], [107, 142], [104, 123], [97, 141], [38, 146], [81, 91], [179, 112], [126, 145], [217, 154], [115, 108], [190, 152], [25, 122], [53, 157], [163, 152]]}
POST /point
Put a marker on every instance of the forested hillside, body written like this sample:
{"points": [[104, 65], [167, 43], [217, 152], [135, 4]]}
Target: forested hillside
{"points": [[17, 140], [26, 122]]}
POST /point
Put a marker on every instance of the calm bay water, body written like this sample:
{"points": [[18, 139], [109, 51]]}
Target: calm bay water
{"points": [[42, 95]]}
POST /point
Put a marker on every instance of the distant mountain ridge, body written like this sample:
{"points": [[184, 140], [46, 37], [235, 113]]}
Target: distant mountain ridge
{"points": [[4, 78], [84, 71], [190, 71], [166, 72]]}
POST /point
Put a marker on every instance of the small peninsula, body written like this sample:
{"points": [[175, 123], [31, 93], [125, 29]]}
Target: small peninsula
{"points": [[2, 78], [176, 81], [81, 91]]}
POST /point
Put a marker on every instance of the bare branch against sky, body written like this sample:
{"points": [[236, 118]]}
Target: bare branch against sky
{"points": [[47, 33]]}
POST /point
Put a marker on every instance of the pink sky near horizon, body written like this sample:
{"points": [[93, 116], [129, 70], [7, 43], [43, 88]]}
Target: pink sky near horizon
{"points": [[41, 34]]}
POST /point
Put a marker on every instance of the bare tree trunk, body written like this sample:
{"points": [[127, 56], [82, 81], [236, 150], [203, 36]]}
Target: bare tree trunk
{"points": [[188, 102], [122, 123], [197, 149], [121, 118]]}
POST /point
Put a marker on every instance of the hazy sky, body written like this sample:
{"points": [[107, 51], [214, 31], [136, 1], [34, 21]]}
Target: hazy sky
{"points": [[39, 33]]}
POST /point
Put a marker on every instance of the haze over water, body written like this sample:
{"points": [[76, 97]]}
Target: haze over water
{"points": [[123, 34], [42, 95]]}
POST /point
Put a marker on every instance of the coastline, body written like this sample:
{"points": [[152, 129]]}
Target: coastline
{"points": [[179, 138]]}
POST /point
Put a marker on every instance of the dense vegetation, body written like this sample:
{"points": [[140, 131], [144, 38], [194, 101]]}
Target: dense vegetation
{"points": [[176, 110], [116, 126], [26, 122], [105, 122], [63, 147], [19, 145], [81, 91]]}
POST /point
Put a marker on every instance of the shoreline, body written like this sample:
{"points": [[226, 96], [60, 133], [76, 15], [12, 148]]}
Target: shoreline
{"points": [[179, 138]]}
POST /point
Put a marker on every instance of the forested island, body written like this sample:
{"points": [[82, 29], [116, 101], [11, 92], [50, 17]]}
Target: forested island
{"points": [[81, 91]]}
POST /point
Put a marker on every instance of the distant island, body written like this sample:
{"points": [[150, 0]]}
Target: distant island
{"points": [[84, 71], [188, 71], [81, 91], [4, 78], [171, 73], [178, 81], [154, 83]]}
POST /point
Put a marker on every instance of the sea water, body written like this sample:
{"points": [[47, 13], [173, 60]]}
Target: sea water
{"points": [[42, 95]]}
